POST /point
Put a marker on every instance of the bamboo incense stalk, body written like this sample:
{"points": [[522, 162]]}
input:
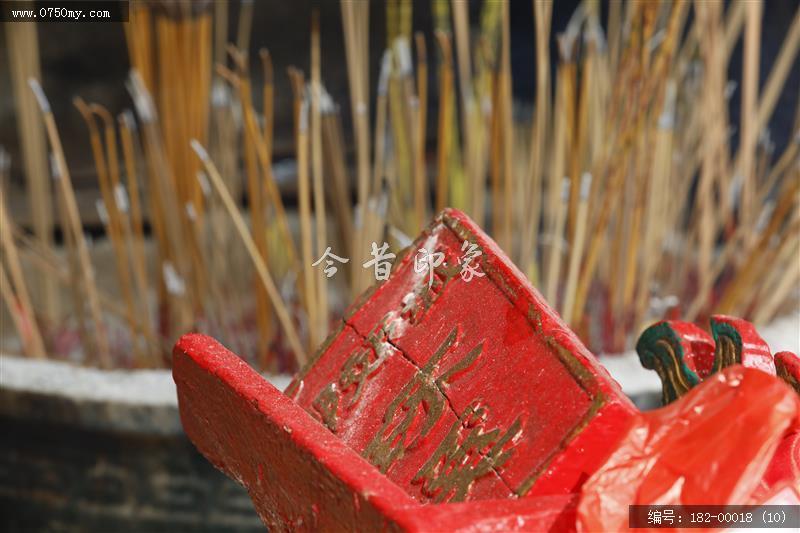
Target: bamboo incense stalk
{"points": [[396, 72], [51, 264], [23, 51], [557, 175], [306, 242], [268, 97], [241, 227], [481, 124], [445, 124], [265, 161], [245, 25], [750, 80], [355, 19], [317, 172], [781, 288], [576, 248], [655, 225], [614, 31], [220, 31], [334, 157], [420, 178], [495, 156], [85, 272], [381, 104], [127, 128], [138, 35], [169, 212], [556, 247], [578, 142], [108, 208], [5, 166], [460, 11], [18, 300], [507, 129], [253, 142], [542, 16], [708, 15]]}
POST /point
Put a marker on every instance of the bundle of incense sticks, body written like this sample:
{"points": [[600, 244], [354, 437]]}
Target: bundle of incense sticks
{"points": [[622, 194]]}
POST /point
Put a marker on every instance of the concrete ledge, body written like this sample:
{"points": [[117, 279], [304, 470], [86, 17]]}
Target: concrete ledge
{"points": [[139, 401]]}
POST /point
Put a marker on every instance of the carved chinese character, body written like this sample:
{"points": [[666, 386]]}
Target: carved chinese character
{"points": [[420, 404], [466, 454], [362, 363]]}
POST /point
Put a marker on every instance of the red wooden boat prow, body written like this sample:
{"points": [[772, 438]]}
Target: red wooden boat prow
{"points": [[440, 402]]}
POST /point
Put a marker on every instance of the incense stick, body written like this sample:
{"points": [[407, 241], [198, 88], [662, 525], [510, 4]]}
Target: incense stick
{"points": [[261, 267], [445, 124], [23, 48], [542, 16], [127, 127], [420, 179], [108, 209], [19, 302], [85, 272], [318, 177]]}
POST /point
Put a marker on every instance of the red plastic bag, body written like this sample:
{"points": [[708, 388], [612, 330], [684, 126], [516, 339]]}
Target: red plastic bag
{"points": [[711, 447]]}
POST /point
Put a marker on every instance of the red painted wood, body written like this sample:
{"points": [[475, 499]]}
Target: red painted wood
{"points": [[683, 355], [750, 349], [698, 346], [787, 366], [534, 514], [480, 368], [299, 475], [470, 390], [303, 478], [680, 352]]}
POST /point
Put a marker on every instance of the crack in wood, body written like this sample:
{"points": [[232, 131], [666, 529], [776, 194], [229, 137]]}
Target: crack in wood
{"points": [[461, 366]]}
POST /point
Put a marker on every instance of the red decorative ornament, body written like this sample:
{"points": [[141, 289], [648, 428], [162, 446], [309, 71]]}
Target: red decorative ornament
{"points": [[444, 401]]}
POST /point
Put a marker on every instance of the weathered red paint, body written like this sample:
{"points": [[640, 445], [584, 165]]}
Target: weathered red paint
{"points": [[461, 391], [299, 475], [465, 390], [683, 354], [303, 478], [787, 367], [738, 342], [502, 380]]}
